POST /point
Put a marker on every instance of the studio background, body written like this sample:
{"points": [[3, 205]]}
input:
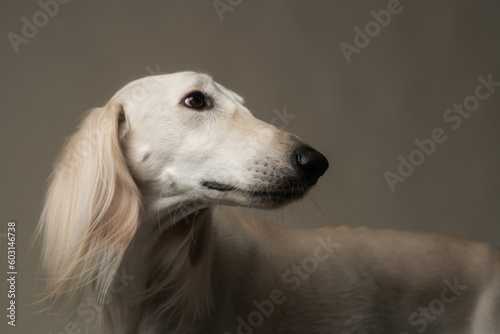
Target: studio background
{"points": [[285, 58]]}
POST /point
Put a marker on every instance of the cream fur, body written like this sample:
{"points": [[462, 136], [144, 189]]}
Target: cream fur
{"points": [[132, 215]]}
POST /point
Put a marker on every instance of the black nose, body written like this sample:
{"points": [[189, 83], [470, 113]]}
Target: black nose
{"points": [[310, 161]]}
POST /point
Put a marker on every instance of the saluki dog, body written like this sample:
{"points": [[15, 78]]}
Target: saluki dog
{"points": [[133, 216]]}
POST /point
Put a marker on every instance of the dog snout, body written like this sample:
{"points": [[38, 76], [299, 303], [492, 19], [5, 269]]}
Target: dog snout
{"points": [[312, 163]]}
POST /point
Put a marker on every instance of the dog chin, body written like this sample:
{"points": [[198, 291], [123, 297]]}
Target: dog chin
{"points": [[269, 203]]}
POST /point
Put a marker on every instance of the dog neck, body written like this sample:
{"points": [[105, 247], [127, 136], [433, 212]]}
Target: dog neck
{"points": [[171, 262]]}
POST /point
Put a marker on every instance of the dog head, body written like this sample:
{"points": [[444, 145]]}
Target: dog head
{"points": [[191, 139]]}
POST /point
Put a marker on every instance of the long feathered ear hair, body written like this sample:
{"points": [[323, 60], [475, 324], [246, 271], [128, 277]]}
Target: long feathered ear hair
{"points": [[91, 210]]}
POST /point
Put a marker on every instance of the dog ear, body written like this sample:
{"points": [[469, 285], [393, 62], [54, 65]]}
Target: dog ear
{"points": [[92, 208]]}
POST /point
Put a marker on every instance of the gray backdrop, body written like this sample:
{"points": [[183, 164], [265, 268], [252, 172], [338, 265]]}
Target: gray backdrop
{"points": [[362, 110]]}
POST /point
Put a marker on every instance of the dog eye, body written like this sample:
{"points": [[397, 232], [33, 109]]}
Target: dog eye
{"points": [[196, 100]]}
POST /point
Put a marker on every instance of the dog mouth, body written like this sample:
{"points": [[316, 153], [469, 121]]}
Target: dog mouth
{"points": [[218, 186], [273, 195]]}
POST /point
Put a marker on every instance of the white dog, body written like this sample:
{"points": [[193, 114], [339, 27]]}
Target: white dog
{"points": [[131, 216]]}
